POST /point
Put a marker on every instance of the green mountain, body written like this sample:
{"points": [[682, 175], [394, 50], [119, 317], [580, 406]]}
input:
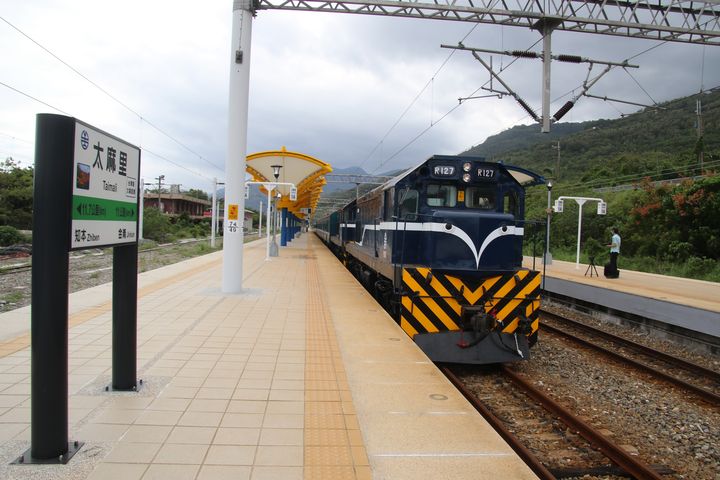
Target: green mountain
{"points": [[654, 142]]}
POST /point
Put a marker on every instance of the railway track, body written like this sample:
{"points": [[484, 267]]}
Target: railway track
{"points": [[625, 464], [698, 380]]}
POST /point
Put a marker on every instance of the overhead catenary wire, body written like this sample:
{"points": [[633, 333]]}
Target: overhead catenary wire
{"points": [[414, 139], [414, 100], [111, 96]]}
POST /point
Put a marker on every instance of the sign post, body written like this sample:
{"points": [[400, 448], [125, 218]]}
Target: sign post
{"points": [[85, 196]]}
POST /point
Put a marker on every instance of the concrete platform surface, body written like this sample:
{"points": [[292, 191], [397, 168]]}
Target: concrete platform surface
{"points": [[301, 376]]}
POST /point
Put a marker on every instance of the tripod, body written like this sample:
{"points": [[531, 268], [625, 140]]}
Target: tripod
{"points": [[591, 268]]}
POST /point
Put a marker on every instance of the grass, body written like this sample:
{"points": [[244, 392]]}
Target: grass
{"points": [[13, 297]]}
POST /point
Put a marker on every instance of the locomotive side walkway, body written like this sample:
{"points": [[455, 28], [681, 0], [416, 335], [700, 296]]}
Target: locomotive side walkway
{"points": [[302, 375], [681, 302]]}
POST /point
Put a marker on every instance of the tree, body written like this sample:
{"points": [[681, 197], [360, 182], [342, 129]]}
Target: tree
{"points": [[16, 195], [197, 193]]}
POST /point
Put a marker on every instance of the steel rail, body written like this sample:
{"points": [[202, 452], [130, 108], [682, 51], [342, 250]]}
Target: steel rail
{"points": [[678, 362], [633, 466], [527, 456], [706, 395]]}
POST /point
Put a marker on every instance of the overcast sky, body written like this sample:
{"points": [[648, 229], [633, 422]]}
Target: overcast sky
{"points": [[327, 85]]}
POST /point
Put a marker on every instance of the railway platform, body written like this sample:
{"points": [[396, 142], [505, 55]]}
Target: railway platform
{"points": [[679, 305], [301, 376]]}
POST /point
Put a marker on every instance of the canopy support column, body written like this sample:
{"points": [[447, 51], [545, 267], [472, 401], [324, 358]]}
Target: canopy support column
{"points": [[237, 147]]}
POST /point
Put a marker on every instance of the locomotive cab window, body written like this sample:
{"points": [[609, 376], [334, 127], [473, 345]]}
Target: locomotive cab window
{"points": [[511, 203], [408, 204], [482, 198], [441, 195]]}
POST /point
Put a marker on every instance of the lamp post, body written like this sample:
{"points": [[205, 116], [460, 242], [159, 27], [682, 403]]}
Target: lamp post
{"points": [[273, 247], [548, 256], [601, 210]]}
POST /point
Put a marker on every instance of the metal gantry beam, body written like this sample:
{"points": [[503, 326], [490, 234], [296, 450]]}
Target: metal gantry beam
{"points": [[667, 20]]}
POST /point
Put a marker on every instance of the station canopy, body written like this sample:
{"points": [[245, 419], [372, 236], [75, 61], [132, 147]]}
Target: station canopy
{"points": [[306, 172]]}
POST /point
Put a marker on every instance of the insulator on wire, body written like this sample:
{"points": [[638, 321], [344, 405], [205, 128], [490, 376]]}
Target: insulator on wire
{"points": [[570, 58], [563, 110], [524, 53], [527, 108]]}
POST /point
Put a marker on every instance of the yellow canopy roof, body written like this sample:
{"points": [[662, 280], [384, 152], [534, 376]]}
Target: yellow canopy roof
{"points": [[306, 172]]}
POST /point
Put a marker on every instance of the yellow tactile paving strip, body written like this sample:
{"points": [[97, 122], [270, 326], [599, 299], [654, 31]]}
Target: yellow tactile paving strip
{"points": [[16, 344], [334, 448]]}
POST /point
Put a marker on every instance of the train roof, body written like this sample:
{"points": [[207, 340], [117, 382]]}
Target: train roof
{"points": [[523, 176]]}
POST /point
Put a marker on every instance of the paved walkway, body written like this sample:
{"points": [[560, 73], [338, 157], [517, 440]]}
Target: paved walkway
{"points": [[300, 376]]}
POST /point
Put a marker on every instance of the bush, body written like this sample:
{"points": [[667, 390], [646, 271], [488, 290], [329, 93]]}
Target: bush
{"points": [[156, 226], [11, 236]]}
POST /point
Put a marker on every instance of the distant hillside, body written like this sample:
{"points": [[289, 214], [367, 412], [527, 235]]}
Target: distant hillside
{"points": [[520, 137], [647, 141]]}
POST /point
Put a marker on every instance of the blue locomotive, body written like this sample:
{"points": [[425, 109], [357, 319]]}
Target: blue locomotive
{"points": [[440, 246]]}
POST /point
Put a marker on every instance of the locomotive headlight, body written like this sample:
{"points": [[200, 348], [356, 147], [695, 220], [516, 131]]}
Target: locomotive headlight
{"points": [[466, 177], [466, 167]]}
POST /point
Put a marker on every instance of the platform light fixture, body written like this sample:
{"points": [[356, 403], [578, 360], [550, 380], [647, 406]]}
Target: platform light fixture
{"points": [[276, 171]]}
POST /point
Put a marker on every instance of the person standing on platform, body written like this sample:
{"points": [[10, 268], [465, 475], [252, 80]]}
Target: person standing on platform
{"points": [[611, 270]]}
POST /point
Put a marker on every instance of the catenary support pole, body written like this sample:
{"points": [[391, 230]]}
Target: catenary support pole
{"points": [[237, 143], [547, 60]]}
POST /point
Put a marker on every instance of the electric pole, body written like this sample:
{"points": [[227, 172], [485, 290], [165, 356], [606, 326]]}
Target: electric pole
{"points": [[700, 142]]}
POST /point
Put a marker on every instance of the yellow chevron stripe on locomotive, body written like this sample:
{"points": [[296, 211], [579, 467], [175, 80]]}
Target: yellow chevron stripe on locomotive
{"points": [[435, 302]]}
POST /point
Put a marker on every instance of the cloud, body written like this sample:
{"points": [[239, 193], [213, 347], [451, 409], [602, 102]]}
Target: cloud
{"points": [[329, 85]]}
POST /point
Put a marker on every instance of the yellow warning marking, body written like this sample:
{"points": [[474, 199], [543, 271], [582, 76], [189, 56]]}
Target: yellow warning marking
{"points": [[442, 291], [472, 296], [405, 325], [419, 316], [520, 296], [434, 307], [505, 289], [511, 326]]}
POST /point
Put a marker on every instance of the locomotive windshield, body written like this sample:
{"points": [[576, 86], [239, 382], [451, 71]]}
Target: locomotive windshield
{"points": [[408, 204], [441, 195], [482, 198]]}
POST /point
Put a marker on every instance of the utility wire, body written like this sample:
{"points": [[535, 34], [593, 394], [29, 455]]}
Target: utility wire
{"points": [[108, 94], [144, 149], [33, 98]]}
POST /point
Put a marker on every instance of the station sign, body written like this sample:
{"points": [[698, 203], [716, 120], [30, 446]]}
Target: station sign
{"points": [[105, 190]]}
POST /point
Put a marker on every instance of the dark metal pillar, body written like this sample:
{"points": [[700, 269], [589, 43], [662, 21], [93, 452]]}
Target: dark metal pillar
{"points": [[124, 343], [52, 196], [284, 228]]}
